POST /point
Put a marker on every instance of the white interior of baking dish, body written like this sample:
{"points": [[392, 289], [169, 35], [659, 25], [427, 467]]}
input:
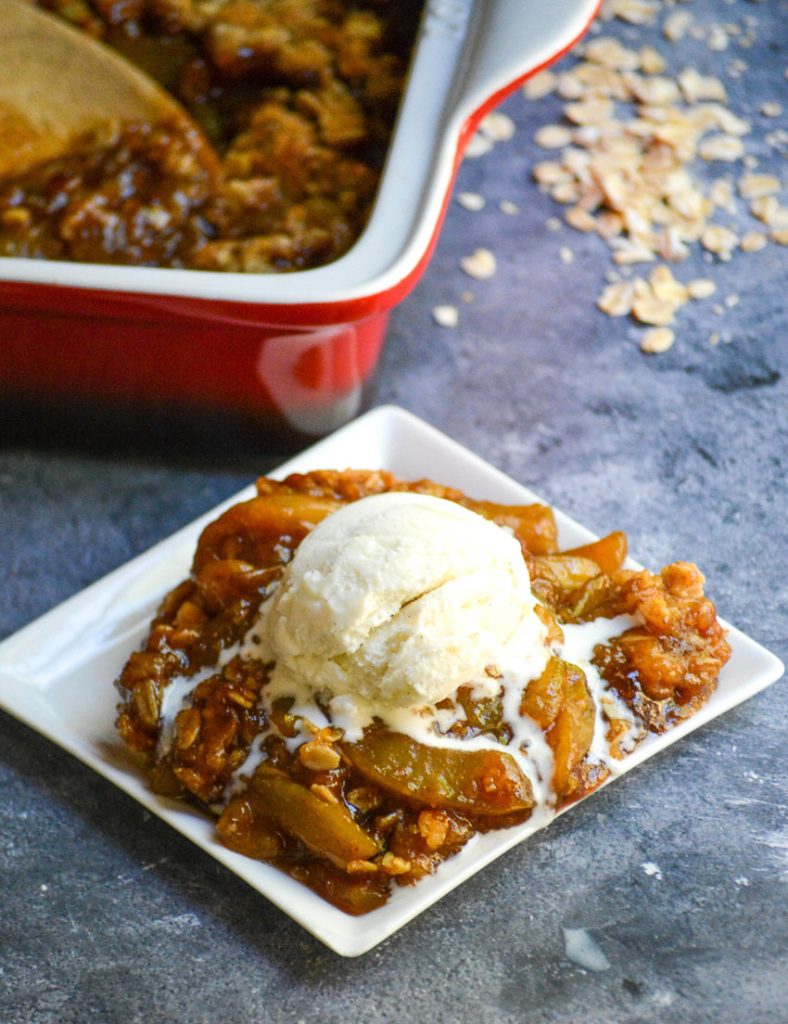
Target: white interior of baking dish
{"points": [[466, 52]]}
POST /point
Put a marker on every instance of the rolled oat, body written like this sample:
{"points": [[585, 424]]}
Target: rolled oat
{"points": [[658, 339], [480, 264]]}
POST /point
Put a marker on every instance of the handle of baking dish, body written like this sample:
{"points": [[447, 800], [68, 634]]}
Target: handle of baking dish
{"points": [[507, 42]]}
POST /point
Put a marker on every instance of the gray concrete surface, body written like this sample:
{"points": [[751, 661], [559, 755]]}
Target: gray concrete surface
{"points": [[108, 916]]}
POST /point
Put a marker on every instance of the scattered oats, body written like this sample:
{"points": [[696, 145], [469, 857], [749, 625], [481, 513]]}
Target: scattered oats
{"points": [[508, 207], [780, 236], [648, 309], [719, 240], [721, 195], [731, 301], [609, 52], [651, 61], [721, 147], [591, 197], [569, 86], [714, 339], [665, 286], [676, 24], [548, 172], [777, 139], [601, 81], [612, 276], [718, 309], [780, 219], [685, 199], [578, 162], [755, 186], [617, 298], [580, 219], [553, 136], [717, 39], [753, 241], [471, 201], [589, 135], [627, 251], [553, 224], [479, 265], [609, 224], [658, 339], [566, 192], [540, 85], [672, 247], [771, 109], [697, 87], [477, 146], [446, 316], [654, 90], [701, 288], [636, 12], [593, 110], [498, 126], [765, 208], [627, 175], [715, 115], [737, 67]]}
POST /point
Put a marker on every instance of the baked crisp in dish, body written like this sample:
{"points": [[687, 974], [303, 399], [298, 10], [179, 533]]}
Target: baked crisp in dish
{"points": [[298, 97], [361, 673]]}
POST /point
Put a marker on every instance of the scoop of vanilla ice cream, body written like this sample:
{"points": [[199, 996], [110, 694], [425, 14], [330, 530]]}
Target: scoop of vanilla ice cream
{"points": [[398, 598]]}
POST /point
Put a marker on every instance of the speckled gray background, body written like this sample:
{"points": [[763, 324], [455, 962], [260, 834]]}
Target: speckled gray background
{"points": [[108, 916]]}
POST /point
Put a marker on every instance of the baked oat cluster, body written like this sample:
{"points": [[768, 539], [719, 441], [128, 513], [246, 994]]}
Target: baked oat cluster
{"points": [[350, 810]]}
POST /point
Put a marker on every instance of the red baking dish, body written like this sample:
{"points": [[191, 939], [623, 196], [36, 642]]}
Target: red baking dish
{"points": [[294, 350]]}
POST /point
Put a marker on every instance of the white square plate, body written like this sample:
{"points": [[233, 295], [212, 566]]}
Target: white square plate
{"points": [[57, 673]]}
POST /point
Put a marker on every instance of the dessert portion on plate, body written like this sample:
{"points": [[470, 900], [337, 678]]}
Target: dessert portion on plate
{"points": [[360, 674]]}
